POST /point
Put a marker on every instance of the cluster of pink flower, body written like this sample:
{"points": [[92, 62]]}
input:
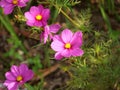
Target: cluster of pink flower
{"points": [[66, 44]]}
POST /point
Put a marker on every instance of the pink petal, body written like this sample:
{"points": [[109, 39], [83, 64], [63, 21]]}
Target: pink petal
{"points": [[28, 75], [22, 3], [57, 37], [46, 14], [58, 56], [57, 45], [41, 8], [38, 24], [11, 85], [29, 16], [26, 0], [4, 3], [10, 76], [34, 10], [8, 9], [66, 35], [23, 68], [30, 23], [51, 36], [54, 28], [66, 53], [46, 33], [76, 40], [44, 22], [15, 70], [76, 52], [9, 1]]}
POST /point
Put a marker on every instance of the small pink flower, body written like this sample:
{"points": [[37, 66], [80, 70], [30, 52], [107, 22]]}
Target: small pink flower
{"points": [[9, 5], [48, 30], [67, 44], [37, 16], [17, 76]]}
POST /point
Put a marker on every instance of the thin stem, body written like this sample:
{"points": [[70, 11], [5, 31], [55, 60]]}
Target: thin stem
{"points": [[47, 56], [20, 11], [69, 18]]}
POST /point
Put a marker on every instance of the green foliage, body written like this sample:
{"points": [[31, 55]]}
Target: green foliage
{"points": [[35, 61], [97, 69], [39, 86], [64, 3], [112, 33], [83, 19]]}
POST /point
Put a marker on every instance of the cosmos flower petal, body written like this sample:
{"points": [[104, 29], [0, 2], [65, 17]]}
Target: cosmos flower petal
{"points": [[58, 56], [76, 40], [29, 16], [11, 85], [15, 70], [39, 24], [10, 76], [10, 1], [57, 45], [54, 28], [46, 14], [66, 53], [44, 22], [3, 3], [21, 4], [34, 10], [41, 8], [23, 68], [25, 0], [57, 37], [77, 52], [8, 9], [46, 33], [28, 75], [66, 35], [30, 23]]}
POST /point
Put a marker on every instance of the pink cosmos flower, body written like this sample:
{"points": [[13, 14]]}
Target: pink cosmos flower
{"points": [[48, 30], [17, 76], [67, 44], [8, 5], [37, 16]]}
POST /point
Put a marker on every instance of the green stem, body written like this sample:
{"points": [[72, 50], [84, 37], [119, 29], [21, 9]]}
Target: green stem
{"points": [[20, 11], [46, 56], [69, 18]]}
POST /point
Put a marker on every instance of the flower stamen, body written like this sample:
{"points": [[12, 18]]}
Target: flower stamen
{"points": [[19, 78], [15, 2], [67, 45], [38, 17]]}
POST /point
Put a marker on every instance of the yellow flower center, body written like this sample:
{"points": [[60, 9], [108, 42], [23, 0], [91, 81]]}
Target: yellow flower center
{"points": [[15, 2], [38, 17], [67, 45], [19, 78]]}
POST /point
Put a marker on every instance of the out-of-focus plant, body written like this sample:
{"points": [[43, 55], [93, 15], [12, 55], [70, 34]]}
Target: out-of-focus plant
{"points": [[97, 69]]}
